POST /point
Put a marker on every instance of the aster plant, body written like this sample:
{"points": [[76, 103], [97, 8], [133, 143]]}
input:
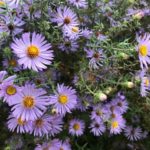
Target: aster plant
{"points": [[74, 74]]}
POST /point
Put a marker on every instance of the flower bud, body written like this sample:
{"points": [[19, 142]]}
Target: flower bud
{"points": [[138, 15], [101, 96], [128, 84], [123, 56], [108, 90]]}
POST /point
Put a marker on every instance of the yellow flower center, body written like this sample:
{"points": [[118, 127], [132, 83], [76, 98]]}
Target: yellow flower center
{"points": [[28, 101], [67, 20], [39, 122], [20, 122], [146, 81], [114, 124], [75, 29], [2, 3], [32, 51], [76, 126], [13, 63], [11, 90], [143, 50], [63, 99]]}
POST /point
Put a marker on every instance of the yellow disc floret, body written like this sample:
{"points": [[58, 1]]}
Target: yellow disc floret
{"points": [[76, 126], [75, 29], [32, 51], [28, 101], [20, 121], [11, 90], [115, 124], [63, 99], [143, 50], [2, 3]]}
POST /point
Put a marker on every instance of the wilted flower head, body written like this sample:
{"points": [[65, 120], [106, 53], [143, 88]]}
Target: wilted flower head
{"points": [[79, 3], [12, 63], [41, 126], [97, 128], [133, 134], [11, 24], [100, 113], [96, 58], [56, 124], [145, 83], [69, 45]]}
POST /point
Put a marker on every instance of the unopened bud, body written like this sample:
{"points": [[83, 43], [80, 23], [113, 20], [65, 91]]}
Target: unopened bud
{"points": [[108, 90], [101, 96], [129, 84], [124, 56], [138, 15]]}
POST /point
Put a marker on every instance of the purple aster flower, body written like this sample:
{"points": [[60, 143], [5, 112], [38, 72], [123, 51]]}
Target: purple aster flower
{"points": [[73, 33], [86, 33], [26, 10], [97, 128], [117, 124], [52, 145], [2, 76], [138, 13], [64, 145], [133, 134], [144, 134], [9, 92], [145, 83], [143, 50], [65, 17], [79, 3], [19, 125], [76, 127], [11, 3], [121, 103], [96, 58], [100, 36], [82, 104], [41, 126], [11, 24], [33, 51], [30, 104], [64, 100], [4, 80], [12, 63], [56, 124], [69, 45], [75, 79], [100, 113]]}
